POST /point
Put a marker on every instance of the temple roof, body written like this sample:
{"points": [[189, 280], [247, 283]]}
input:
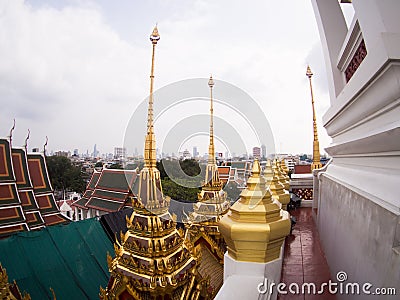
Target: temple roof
{"points": [[6, 170], [43, 190], [224, 174], [38, 173], [70, 259], [12, 218], [81, 203], [114, 223], [211, 268], [26, 196], [108, 190], [21, 168]]}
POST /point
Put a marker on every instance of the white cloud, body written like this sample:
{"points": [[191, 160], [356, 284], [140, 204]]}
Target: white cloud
{"points": [[74, 73], [66, 69]]}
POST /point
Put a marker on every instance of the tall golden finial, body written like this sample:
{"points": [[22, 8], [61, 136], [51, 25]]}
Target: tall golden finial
{"points": [[150, 144], [316, 164], [211, 149]]}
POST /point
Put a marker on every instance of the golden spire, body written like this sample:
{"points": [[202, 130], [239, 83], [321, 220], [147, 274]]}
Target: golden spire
{"points": [[150, 189], [212, 175], [212, 201], [316, 155], [150, 144], [211, 149]]}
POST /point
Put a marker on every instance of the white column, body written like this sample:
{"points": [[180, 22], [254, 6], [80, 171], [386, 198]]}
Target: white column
{"points": [[332, 30]]}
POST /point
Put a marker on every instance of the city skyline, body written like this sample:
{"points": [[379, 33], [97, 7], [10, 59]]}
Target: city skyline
{"points": [[79, 80]]}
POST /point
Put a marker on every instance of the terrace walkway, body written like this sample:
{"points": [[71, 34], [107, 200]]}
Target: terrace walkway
{"points": [[304, 259]]}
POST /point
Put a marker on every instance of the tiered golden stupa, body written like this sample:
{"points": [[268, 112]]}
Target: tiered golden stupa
{"points": [[284, 167], [212, 201], [203, 221], [268, 175], [153, 261], [277, 188], [316, 164], [283, 178], [255, 227]]}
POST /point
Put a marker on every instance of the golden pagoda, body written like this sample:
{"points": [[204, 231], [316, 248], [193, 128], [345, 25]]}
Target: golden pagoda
{"points": [[203, 221], [153, 260], [316, 164], [255, 226], [283, 178], [212, 201], [268, 173], [284, 167], [277, 188]]}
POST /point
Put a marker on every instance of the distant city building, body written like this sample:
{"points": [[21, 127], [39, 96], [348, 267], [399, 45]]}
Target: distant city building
{"points": [[76, 152], [35, 150], [256, 152], [195, 152], [94, 154], [264, 151], [62, 153], [186, 154], [290, 162], [120, 153]]}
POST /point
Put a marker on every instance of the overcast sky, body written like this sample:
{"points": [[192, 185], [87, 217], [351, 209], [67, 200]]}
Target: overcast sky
{"points": [[76, 70]]}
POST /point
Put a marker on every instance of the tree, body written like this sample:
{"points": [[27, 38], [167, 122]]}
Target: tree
{"points": [[99, 164], [178, 191], [174, 168], [63, 175], [176, 176]]}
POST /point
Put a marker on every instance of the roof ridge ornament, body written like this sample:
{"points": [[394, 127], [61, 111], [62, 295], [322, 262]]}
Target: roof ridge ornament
{"points": [[45, 145], [26, 141], [11, 132]]}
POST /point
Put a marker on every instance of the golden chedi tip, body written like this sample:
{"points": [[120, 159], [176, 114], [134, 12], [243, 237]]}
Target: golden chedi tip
{"points": [[277, 188], [281, 175], [255, 227], [309, 73], [155, 36]]}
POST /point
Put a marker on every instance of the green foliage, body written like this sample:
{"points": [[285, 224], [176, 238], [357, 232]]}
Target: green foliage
{"points": [[303, 157], [98, 164], [174, 175], [174, 168], [63, 175], [179, 192]]}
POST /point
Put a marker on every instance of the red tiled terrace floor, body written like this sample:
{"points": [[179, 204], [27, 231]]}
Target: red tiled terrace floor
{"points": [[304, 259]]}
